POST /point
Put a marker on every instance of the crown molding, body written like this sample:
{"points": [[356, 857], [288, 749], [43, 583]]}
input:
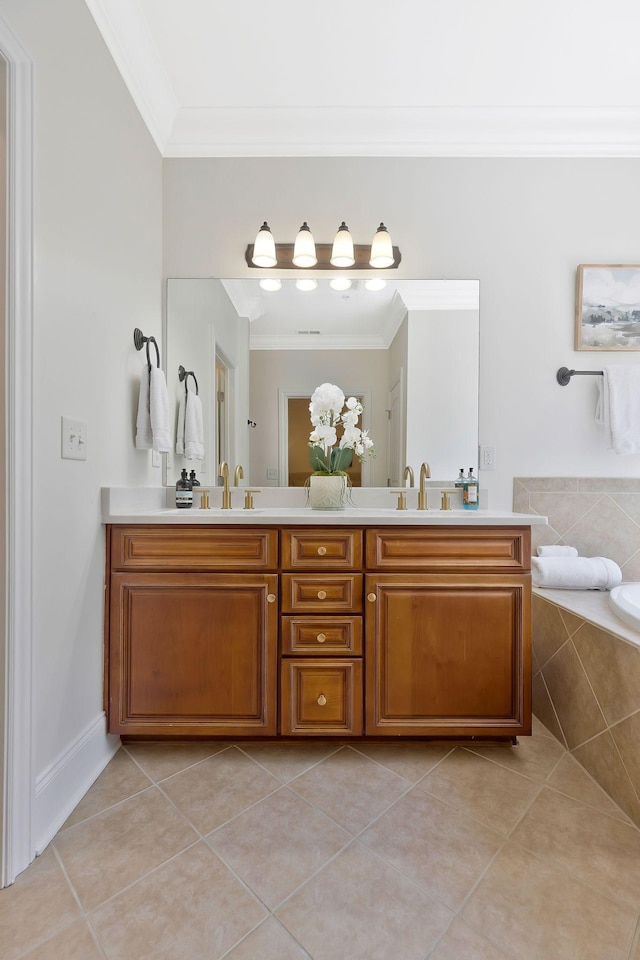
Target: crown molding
{"points": [[129, 41], [265, 341], [245, 306], [406, 132]]}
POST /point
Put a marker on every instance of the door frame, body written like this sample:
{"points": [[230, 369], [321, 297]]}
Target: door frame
{"points": [[17, 849]]}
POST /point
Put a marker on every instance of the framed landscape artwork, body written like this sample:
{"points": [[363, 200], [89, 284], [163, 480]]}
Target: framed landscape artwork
{"points": [[608, 307]]}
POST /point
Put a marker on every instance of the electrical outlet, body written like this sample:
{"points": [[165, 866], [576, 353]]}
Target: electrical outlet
{"points": [[272, 473], [156, 459], [74, 439], [487, 457]]}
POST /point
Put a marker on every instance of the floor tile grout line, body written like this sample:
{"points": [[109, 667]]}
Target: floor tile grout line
{"points": [[627, 822], [635, 941], [189, 766], [333, 752], [451, 750], [577, 879], [562, 743], [261, 924], [110, 806]]}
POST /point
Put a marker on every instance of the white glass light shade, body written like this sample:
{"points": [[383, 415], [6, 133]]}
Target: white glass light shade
{"points": [[381, 249], [342, 250], [375, 283], [304, 249], [264, 249], [340, 283], [306, 283], [271, 284]]}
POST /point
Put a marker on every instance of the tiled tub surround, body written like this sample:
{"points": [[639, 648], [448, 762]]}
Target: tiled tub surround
{"points": [[598, 516], [586, 689], [586, 662]]}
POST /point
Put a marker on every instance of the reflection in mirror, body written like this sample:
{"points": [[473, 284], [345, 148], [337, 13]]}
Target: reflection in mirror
{"points": [[410, 351]]}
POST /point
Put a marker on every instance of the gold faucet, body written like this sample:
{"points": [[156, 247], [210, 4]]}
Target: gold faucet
{"points": [[223, 471], [238, 475], [425, 473], [408, 472]]}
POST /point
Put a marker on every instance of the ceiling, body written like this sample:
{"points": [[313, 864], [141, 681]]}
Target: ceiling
{"points": [[223, 78]]}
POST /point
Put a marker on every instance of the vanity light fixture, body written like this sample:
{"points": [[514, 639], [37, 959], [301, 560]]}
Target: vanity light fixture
{"points": [[375, 283], [342, 250], [340, 283], [270, 283], [381, 249], [304, 249], [306, 283], [264, 249], [308, 255]]}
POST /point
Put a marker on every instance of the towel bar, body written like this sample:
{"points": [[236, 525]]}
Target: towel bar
{"points": [[563, 376], [184, 375], [139, 340]]}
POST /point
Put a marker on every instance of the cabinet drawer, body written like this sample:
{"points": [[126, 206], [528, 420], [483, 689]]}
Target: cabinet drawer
{"points": [[484, 549], [324, 593], [193, 548], [321, 697], [322, 636], [321, 549]]}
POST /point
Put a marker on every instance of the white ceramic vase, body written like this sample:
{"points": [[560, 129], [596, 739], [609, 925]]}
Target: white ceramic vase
{"points": [[327, 492]]}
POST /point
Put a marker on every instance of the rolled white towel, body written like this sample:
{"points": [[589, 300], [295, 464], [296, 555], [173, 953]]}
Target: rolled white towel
{"points": [[575, 573], [557, 551]]}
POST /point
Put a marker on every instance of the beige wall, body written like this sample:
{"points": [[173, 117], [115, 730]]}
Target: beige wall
{"points": [[520, 226]]}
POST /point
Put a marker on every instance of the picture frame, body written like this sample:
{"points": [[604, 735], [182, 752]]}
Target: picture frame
{"points": [[607, 315]]}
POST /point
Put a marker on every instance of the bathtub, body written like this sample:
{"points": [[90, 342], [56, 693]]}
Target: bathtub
{"points": [[625, 602]]}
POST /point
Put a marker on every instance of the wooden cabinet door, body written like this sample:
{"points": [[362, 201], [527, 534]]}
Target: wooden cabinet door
{"points": [[448, 655], [193, 654]]}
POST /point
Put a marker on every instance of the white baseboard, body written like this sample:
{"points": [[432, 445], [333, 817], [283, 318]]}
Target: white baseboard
{"points": [[64, 783]]}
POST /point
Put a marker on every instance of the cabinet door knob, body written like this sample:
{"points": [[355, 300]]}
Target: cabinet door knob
{"points": [[322, 700], [322, 594], [321, 637], [371, 597], [322, 551], [271, 598]]}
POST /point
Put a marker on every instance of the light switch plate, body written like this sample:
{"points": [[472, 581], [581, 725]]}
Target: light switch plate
{"points": [[74, 439], [156, 459]]}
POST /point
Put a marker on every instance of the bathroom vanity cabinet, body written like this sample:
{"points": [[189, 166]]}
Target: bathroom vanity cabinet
{"points": [[332, 631]]}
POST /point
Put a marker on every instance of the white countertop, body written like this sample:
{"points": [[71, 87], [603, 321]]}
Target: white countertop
{"points": [[284, 505]]}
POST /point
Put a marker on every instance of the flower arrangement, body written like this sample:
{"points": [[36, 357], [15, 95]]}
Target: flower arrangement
{"points": [[328, 455]]}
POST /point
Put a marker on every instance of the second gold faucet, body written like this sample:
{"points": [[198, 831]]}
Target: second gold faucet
{"points": [[425, 474]]}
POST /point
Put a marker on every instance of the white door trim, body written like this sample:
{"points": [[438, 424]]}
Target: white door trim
{"points": [[18, 782]]}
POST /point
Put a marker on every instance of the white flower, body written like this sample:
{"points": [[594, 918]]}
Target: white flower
{"points": [[326, 412]]}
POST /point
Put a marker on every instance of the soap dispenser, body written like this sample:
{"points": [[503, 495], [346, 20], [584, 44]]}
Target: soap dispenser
{"points": [[470, 491], [194, 481], [184, 492]]}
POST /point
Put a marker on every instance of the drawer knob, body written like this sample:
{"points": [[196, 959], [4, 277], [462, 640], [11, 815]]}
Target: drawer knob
{"points": [[371, 597], [271, 598], [322, 700], [322, 551], [321, 637], [322, 594]]}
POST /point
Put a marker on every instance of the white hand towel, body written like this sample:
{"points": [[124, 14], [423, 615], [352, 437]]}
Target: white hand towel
{"points": [[180, 427], [618, 407], [575, 573], [159, 411], [190, 434], [144, 434], [557, 551], [193, 432]]}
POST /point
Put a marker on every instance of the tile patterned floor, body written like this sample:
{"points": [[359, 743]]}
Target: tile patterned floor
{"points": [[362, 852]]}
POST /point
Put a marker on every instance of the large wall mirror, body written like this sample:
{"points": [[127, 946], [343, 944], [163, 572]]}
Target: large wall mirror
{"points": [[410, 351]]}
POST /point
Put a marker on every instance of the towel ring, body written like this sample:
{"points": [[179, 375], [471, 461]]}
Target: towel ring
{"points": [[139, 340], [184, 375]]}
